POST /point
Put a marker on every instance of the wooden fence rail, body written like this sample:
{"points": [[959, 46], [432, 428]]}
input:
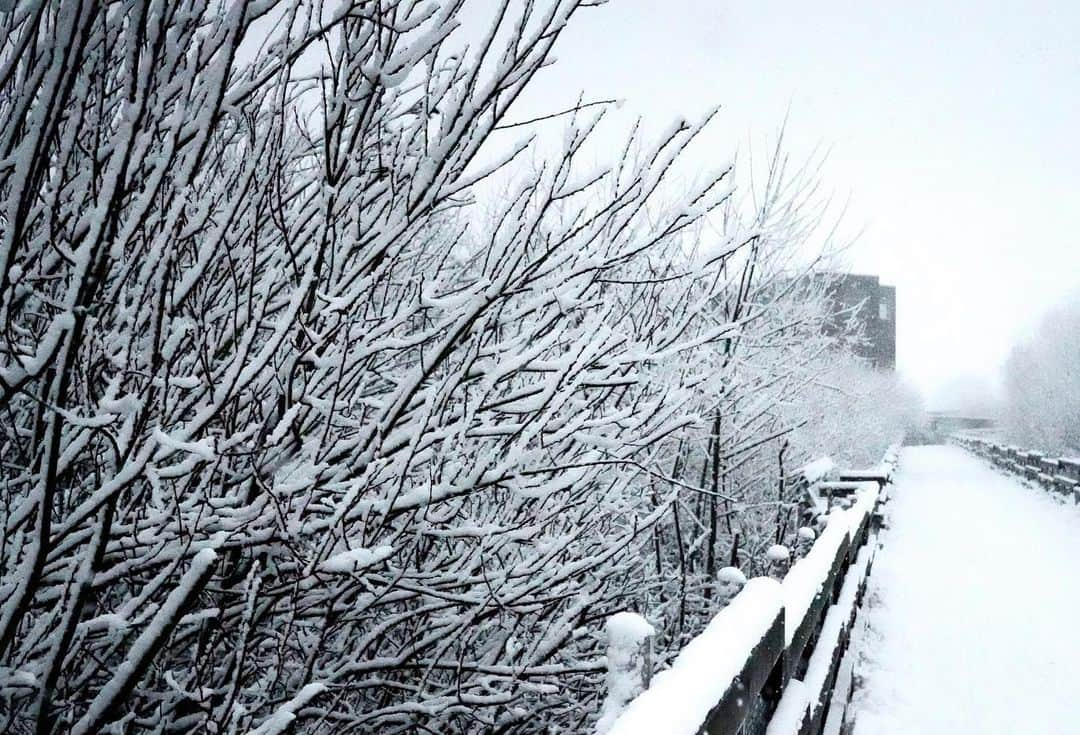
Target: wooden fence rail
{"points": [[1057, 474], [768, 663]]}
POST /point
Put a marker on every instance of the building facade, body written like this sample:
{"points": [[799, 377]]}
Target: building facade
{"points": [[862, 306]]}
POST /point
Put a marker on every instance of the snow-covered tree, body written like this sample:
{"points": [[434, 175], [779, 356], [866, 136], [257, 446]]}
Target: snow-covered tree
{"points": [[1042, 386], [292, 437], [784, 390]]}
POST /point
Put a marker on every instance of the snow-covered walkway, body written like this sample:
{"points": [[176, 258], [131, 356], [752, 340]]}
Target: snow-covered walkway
{"points": [[975, 617]]}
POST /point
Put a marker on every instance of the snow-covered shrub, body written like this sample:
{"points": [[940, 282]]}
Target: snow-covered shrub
{"points": [[289, 440], [787, 393], [853, 412], [1042, 386]]}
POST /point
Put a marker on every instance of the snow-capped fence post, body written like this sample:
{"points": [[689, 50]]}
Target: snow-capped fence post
{"points": [[729, 582], [805, 541], [629, 664], [779, 561]]}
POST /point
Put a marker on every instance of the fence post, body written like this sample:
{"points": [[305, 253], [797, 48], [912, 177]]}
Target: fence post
{"points": [[729, 582], [779, 559], [629, 664]]}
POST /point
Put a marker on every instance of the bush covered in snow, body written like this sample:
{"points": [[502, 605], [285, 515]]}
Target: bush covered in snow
{"points": [[289, 440], [854, 413], [1042, 386]]}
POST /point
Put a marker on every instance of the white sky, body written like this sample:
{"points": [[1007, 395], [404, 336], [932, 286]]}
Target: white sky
{"points": [[953, 129]]}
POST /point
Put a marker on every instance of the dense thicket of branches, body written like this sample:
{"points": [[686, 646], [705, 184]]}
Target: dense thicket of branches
{"points": [[1042, 386], [289, 440]]}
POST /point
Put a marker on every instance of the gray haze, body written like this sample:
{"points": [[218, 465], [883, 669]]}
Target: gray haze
{"points": [[951, 135]]}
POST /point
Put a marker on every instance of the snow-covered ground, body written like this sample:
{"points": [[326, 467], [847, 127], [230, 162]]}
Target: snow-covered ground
{"points": [[975, 624]]}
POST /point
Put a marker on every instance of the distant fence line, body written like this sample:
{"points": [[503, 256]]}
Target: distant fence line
{"points": [[1057, 474], [770, 662]]}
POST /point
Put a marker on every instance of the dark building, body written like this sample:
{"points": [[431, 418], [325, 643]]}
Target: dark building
{"points": [[861, 305]]}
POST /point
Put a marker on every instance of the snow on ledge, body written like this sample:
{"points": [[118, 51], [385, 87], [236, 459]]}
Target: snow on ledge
{"points": [[680, 698], [837, 620], [791, 711], [806, 576], [865, 498]]}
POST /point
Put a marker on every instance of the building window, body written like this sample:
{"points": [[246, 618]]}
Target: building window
{"points": [[883, 310]]}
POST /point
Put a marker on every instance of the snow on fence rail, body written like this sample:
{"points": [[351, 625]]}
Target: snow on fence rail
{"points": [[1060, 474], [768, 662]]}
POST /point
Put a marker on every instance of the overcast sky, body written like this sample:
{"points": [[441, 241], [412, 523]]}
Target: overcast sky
{"points": [[954, 132]]}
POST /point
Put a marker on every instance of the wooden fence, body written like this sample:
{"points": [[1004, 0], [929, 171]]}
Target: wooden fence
{"points": [[1060, 475], [791, 665]]}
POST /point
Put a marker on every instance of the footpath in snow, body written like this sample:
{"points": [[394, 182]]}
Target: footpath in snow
{"points": [[975, 620]]}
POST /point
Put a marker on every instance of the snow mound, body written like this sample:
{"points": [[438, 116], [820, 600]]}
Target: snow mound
{"points": [[731, 575], [628, 629], [777, 553], [817, 469]]}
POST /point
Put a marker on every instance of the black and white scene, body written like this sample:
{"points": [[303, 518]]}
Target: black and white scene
{"points": [[540, 367]]}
